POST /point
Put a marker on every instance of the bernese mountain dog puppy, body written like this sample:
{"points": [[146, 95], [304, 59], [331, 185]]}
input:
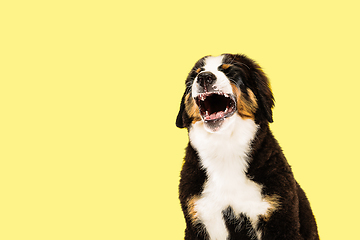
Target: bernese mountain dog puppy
{"points": [[236, 182]]}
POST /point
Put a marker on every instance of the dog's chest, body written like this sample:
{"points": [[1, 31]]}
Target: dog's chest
{"points": [[224, 156]]}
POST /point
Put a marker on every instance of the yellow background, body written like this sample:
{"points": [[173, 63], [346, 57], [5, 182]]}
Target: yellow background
{"points": [[90, 91]]}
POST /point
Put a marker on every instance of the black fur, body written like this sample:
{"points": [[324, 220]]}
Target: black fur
{"points": [[246, 73], [293, 219], [181, 117]]}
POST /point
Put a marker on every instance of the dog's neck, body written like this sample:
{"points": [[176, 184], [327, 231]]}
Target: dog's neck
{"points": [[233, 142]]}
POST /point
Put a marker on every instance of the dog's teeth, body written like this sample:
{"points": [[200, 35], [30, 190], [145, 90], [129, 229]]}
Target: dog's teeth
{"points": [[207, 113], [226, 109]]}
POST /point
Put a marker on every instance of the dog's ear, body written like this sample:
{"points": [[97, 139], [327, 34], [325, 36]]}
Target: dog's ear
{"points": [[265, 96], [180, 120]]}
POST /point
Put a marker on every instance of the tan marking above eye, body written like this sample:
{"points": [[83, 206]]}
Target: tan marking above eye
{"points": [[225, 66], [198, 70]]}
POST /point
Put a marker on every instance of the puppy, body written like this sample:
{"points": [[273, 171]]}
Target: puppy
{"points": [[235, 182]]}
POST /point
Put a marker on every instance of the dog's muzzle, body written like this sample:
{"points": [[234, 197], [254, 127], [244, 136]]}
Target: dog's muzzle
{"points": [[214, 105]]}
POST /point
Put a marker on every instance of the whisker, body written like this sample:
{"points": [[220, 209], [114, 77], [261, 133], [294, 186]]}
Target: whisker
{"points": [[235, 82], [245, 65], [233, 59]]}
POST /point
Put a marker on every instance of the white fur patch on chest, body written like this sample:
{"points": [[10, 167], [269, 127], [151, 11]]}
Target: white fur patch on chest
{"points": [[224, 156]]}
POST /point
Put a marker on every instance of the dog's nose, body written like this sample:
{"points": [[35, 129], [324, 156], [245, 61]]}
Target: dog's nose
{"points": [[206, 78]]}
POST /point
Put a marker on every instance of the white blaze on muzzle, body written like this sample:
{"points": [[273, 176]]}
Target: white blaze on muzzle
{"points": [[213, 94]]}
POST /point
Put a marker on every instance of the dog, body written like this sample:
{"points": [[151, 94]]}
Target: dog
{"points": [[235, 181]]}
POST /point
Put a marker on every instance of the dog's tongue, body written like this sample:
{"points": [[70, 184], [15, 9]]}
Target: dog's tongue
{"points": [[215, 116]]}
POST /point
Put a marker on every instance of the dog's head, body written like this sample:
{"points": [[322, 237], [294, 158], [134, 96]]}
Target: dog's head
{"points": [[217, 88]]}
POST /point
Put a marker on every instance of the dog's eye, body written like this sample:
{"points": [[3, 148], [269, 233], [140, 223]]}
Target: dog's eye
{"points": [[232, 72]]}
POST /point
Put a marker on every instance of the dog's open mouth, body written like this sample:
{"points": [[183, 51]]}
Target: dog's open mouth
{"points": [[215, 106]]}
